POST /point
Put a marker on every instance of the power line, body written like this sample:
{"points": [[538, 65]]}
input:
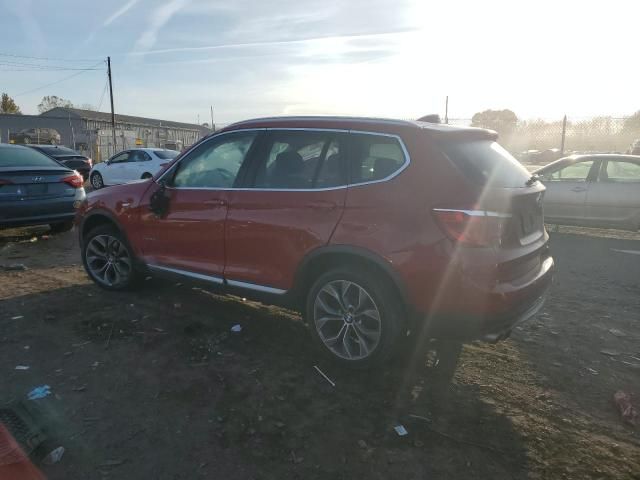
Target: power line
{"points": [[39, 66], [49, 58], [104, 90], [56, 82]]}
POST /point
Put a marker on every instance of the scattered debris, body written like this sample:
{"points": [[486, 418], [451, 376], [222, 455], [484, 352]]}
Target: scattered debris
{"points": [[362, 444], [158, 329], [54, 456], [177, 305], [592, 371], [237, 328], [113, 324], [617, 333], [627, 410], [14, 267], [39, 392], [279, 424], [79, 389], [26, 347], [324, 376], [22, 367], [81, 344], [610, 353], [418, 444], [68, 354], [400, 430]]}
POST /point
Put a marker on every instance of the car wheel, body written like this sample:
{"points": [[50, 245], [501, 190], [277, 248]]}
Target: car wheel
{"points": [[354, 317], [52, 141], [108, 259], [26, 140], [96, 181], [61, 227], [146, 176]]}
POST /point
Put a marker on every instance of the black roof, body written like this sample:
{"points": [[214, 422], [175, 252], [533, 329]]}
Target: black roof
{"points": [[106, 117]]}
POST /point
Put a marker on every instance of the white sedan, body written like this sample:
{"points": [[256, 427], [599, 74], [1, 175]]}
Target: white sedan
{"points": [[130, 165]]}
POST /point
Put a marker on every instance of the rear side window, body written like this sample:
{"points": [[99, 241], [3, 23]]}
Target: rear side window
{"points": [[618, 171], [165, 154], [24, 157], [485, 162], [375, 157], [300, 160]]}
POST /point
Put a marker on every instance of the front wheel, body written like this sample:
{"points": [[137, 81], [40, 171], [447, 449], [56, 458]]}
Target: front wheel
{"points": [[354, 317], [146, 176], [96, 181], [109, 260]]}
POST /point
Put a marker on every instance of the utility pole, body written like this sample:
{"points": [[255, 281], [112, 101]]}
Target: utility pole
{"points": [[564, 133], [446, 109], [113, 115], [213, 128]]}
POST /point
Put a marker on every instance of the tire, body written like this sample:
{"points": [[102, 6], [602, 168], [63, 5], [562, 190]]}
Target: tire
{"points": [[53, 141], [96, 181], [61, 227], [341, 331], [26, 141], [146, 175], [109, 260]]}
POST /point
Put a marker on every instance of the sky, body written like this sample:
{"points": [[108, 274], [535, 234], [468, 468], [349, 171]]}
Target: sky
{"points": [[173, 59]]}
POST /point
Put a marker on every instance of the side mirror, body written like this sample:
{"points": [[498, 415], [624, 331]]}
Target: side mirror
{"points": [[159, 201]]}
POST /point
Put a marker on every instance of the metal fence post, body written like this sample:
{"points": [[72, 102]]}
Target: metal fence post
{"points": [[564, 133]]}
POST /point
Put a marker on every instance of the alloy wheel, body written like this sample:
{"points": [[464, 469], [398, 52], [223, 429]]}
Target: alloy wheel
{"points": [[108, 260], [96, 181], [347, 320]]}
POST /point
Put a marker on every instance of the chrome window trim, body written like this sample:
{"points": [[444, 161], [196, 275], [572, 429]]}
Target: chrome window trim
{"points": [[186, 273], [407, 161], [257, 288], [475, 213]]}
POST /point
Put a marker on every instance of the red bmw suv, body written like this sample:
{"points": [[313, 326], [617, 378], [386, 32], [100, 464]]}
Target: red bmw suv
{"points": [[372, 228]]}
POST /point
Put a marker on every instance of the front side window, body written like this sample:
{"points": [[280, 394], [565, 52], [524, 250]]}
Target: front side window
{"points": [[214, 164], [617, 171], [120, 158], [374, 157], [577, 172], [300, 160]]}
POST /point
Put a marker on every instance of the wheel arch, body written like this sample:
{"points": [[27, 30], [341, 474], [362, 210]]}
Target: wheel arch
{"points": [[322, 259], [95, 219]]}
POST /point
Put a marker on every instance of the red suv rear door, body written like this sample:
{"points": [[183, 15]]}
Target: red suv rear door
{"points": [[189, 238], [297, 190]]}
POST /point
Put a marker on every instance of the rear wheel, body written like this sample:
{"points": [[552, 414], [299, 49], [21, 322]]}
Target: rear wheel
{"points": [[53, 141], [96, 180], [61, 227], [26, 140], [109, 260], [146, 176], [354, 317]]}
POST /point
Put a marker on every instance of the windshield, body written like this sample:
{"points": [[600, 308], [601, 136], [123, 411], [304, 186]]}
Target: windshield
{"points": [[166, 154], [24, 157], [486, 162]]}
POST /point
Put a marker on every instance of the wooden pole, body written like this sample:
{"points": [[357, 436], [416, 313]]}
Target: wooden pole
{"points": [[113, 115]]}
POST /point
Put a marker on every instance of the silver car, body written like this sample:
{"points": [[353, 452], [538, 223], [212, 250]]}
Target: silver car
{"points": [[599, 190]]}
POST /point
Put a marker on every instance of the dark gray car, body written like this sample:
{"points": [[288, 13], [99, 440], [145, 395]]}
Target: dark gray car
{"points": [[35, 189]]}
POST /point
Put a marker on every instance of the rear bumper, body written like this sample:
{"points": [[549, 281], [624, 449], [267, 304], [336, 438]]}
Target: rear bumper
{"points": [[491, 316], [39, 212]]}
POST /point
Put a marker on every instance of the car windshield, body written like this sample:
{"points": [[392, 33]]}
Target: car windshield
{"points": [[166, 154], [24, 157]]}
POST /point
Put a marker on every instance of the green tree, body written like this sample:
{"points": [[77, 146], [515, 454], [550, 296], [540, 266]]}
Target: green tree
{"points": [[52, 101], [502, 121], [7, 105]]}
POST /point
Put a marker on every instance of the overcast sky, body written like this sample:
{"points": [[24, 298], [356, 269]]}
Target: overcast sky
{"points": [[172, 59]]}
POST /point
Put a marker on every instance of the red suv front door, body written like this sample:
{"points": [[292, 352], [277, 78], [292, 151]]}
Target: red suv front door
{"points": [[297, 190], [189, 238]]}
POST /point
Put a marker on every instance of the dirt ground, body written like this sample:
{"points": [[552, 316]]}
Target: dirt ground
{"points": [[153, 384]]}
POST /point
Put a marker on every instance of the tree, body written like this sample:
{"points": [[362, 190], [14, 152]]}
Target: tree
{"points": [[52, 101], [7, 105], [502, 121]]}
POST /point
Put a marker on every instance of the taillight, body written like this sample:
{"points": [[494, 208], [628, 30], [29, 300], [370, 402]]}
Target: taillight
{"points": [[472, 228], [74, 180]]}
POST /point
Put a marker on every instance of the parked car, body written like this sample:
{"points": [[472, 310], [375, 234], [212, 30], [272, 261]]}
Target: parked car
{"points": [[596, 190], [36, 190], [634, 149], [130, 165], [68, 157], [37, 135], [372, 228]]}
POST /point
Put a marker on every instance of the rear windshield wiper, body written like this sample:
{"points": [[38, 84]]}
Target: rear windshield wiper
{"points": [[533, 179]]}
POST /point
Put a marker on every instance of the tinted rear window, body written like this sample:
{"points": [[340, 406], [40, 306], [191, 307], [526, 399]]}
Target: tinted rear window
{"points": [[24, 157], [165, 154], [485, 162], [58, 151]]}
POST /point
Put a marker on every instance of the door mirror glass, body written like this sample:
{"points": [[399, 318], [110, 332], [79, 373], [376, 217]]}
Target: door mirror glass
{"points": [[159, 201]]}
